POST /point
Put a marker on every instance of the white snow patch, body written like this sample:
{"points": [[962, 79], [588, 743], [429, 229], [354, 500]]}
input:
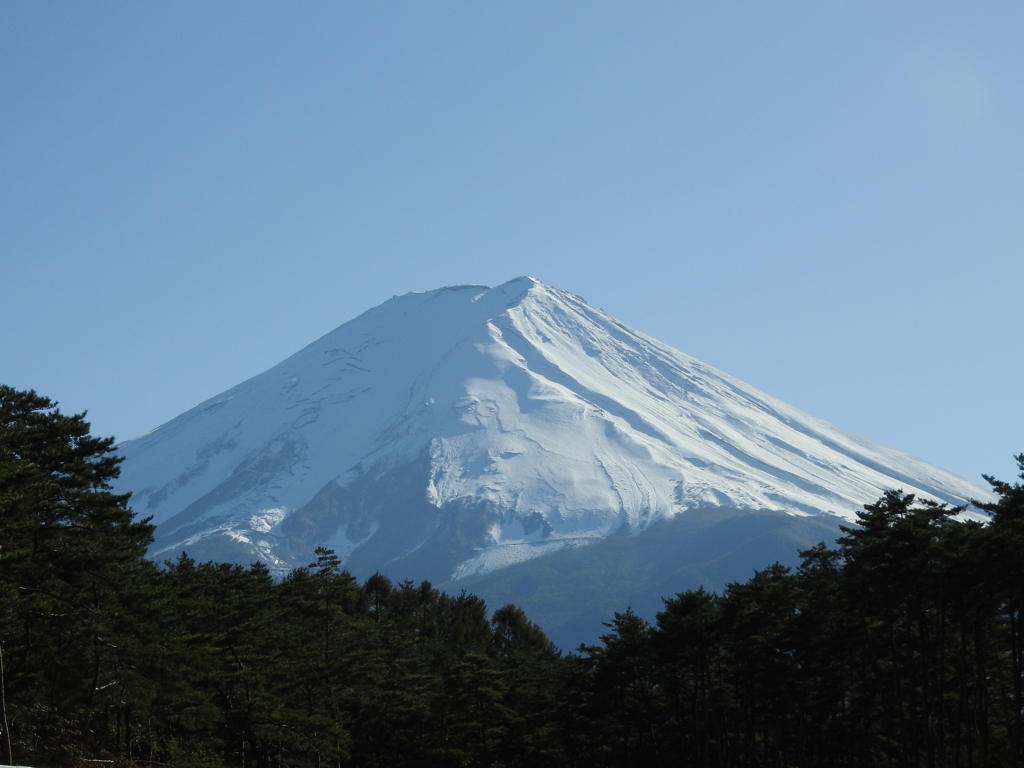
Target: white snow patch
{"points": [[266, 519], [510, 553]]}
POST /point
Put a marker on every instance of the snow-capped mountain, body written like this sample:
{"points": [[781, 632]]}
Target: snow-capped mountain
{"points": [[463, 430]]}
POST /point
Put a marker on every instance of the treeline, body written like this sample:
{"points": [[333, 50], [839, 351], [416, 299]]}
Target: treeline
{"points": [[217, 664], [902, 645]]}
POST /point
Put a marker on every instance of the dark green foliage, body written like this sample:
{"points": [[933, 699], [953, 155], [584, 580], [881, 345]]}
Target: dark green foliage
{"points": [[627, 696], [73, 581], [901, 646]]}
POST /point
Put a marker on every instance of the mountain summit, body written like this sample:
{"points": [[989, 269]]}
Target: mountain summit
{"points": [[467, 429]]}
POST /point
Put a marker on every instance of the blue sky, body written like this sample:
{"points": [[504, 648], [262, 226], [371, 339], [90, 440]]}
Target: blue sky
{"points": [[825, 200]]}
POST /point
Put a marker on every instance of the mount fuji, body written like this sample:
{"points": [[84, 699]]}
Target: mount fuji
{"points": [[513, 440]]}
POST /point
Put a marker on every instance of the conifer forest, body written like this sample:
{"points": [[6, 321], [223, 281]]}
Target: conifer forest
{"points": [[901, 644]]}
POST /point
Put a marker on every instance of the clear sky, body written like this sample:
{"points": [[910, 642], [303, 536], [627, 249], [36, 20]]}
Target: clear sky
{"points": [[825, 200]]}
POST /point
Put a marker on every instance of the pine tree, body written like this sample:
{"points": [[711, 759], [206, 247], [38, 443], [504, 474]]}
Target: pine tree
{"points": [[1005, 539], [687, 642], [627, 697], [71, 564]]}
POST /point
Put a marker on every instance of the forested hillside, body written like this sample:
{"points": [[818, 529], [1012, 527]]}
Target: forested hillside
{"points": [[901, 646]]}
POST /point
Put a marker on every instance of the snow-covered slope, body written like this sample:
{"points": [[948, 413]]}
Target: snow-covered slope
{"points": [[469, 428]]}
